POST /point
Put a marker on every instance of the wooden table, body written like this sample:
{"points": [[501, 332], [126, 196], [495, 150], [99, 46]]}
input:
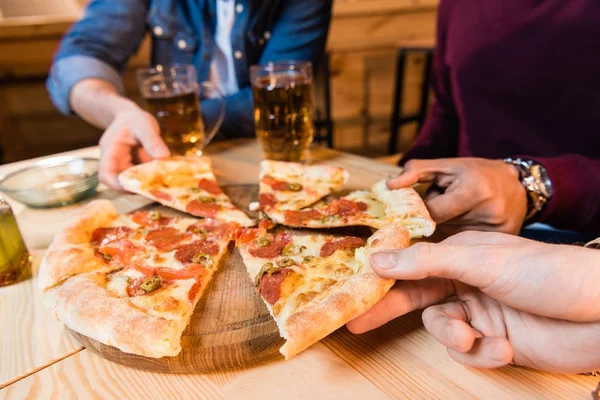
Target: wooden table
{"points": [[39, 360]]}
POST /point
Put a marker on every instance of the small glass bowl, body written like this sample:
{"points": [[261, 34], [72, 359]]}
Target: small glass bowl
{"points": [[53, 182]]}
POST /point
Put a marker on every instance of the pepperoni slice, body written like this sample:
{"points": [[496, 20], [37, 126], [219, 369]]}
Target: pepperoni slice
{"points": [[166, 239], [144, 269], [212, 228], [150, 219], [210, 186], [349, 207], [345, 243], [275, 184], [185, 254], [269, 285], [274, 248], [134, 289], [194, 291], [266, 200], [206, 210], [120, 251], [101, 236], [247, 235], [301, 217], [189, 272], [160, 195]]}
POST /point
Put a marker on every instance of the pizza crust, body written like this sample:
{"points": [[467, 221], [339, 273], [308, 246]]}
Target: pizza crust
{"points": [[84, 305], [70, 253]]}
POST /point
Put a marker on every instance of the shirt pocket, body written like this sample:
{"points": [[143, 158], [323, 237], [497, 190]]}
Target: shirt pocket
{"points": [[174, 41]]}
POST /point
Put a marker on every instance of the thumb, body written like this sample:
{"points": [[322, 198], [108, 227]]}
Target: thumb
{"points": [[148, 134], [418, 171]]}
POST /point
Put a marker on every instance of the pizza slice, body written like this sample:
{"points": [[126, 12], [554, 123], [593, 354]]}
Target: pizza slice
{"points": [[292, 186], [314, 284], [186, 184], [376, 208], [132, 281]]}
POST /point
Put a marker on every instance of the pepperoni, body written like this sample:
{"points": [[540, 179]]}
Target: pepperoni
{"points": [[144, 218], [194, 291], [275, 184], [102, 236], [274, 248], [121, 251], [185, 254], [301, 217], [166, 239], [247, 234], [189, 272], [266, 200], [144, 269], [161, 195], [210, 186], [349, 207], [199, 209], [212, 228], [345, 243], [135, 288], [269, 285]]}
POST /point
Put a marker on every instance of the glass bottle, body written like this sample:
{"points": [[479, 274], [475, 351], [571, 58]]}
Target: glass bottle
{"points": [[15, 261]]}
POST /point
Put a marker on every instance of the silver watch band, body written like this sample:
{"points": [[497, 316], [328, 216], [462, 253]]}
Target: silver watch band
{"points": [[538, 189]]}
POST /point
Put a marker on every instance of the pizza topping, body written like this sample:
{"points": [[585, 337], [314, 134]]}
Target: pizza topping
{"points": [[344, 207], [262, 242], [206, 210], [185, 254], [191, 271], [150, 284], [266, 200], [287, 262], [292, 250], [345, 243], [198, 230], [203, 259], [308, 259], [194, 291], [273, 248], [274, 183], [161, 195], [206, 199], [150, 219], [269, 285], [120, 251], [166, 239], [304, 298], [101, 236], [147, 271], [267, 268], [194, 190], [167, 304], [210, 186], [300, 217]]}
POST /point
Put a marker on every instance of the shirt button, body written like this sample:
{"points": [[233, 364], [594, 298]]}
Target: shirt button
{"points": [[158, 30], [182, 44], [239, 8], [238, 55], [267, 35], [207, 57]]}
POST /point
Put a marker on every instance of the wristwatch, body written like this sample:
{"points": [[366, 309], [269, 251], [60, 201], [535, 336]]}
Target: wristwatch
{"points": [[536, 182]]}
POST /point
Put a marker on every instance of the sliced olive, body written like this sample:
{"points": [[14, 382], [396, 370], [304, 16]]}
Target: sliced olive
{"points": [[286, 262], [308, 259], [206, 199], [199, 230], [202, 259], [107, 257], [263, 242], [290, 250], [154, 215], [267, 268], [151, 284], [194, 190], [294, 187]]}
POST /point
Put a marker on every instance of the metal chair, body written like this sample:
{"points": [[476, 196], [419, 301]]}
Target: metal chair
{"points": [[404, 50]]}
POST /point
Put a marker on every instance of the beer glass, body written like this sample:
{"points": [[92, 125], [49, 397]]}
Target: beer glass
{"points": [[172, 95], [283, 107], [15, 262]]}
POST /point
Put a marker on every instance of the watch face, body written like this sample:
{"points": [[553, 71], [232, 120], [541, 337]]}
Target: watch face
{"points": [[544, 181]]}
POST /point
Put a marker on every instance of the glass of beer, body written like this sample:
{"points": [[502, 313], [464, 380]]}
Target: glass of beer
{"points": [[15, 262], [283, 107], [172, 95]]}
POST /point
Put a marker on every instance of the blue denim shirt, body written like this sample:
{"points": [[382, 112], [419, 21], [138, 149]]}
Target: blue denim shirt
{"points": [[110, 32]]}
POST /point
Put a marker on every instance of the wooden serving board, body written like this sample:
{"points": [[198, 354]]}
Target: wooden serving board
{"points": [[231, 327]]}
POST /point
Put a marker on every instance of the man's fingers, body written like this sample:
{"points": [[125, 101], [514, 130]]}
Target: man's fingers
{"points": [[419, 171], [456, 201], [149, 136], [449, 324], [111, 163], [403, 298], [486, 352]]}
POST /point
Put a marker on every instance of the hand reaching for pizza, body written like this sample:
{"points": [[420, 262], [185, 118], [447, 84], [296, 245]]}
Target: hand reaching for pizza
{"points": [[509, 300], [469, 193]]}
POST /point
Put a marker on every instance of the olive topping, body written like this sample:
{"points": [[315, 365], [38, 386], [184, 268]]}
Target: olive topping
{"points": [[286, 262], [202, 259], [194, 190], [294, 187], [154, 215], [263, 242], [199, 230], [267, 268], [292, 250], [151, 284], [107, 257], [308, 259], [206, 199]]}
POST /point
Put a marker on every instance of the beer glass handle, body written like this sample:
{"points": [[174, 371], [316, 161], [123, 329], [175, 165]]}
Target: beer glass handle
{"points": [[220, 98]]}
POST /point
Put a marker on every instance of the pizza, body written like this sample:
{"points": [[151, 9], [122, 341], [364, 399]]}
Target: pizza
{"points": [[292, 186], [132, 281], [186, 184], [376, 208], [313, 284]]}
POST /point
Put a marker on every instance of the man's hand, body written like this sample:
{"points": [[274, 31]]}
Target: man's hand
{"points": [[469, 193], [133, 137], [508, 299]]}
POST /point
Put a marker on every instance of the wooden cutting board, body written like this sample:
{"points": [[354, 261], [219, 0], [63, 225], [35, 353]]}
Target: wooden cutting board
{"points": [[231, 327]]}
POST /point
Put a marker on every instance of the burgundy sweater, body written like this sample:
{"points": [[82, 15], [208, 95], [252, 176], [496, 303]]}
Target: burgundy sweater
{"points": [[522, 78]]}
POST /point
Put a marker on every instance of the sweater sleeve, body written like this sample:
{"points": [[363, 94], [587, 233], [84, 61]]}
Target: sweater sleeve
{"points": [[575, 203], [439, 136]]}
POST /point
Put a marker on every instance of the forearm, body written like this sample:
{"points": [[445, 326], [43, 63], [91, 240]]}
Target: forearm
{"points": [[98, 102]]}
